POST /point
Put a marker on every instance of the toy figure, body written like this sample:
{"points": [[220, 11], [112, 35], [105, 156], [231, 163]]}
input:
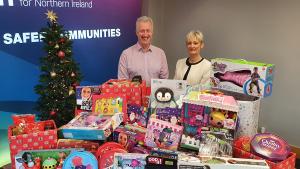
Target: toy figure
{"points": [[254, 80], [28, 163], [49, 163], [78, 164], [164, 97], [217, 119]]}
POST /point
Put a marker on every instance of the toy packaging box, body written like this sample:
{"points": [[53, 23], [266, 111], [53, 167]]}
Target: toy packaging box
{"points": [[162, 134], [109, 104], [210, 121], [84, 96], [248, 113], [90, 146], [129, 160], [251, 78], [166, 93], [37, 159], [172, 115], [129, 136], [222, 163], [137, 115], [35, 140], [88, 126], [135, 92]]}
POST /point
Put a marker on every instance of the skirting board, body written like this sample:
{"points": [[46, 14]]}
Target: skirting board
{"points": [[296, 150]]}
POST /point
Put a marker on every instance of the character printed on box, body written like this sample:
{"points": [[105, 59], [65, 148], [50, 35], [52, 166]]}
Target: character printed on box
{"points": [[223, 119], [132, 118], [28, 162], [164, 97], [78, 163], [49, 163], [254, 80], [86, 95], [108, 106], [164, 138], [136, 115], [123, 139], [62, 156]]}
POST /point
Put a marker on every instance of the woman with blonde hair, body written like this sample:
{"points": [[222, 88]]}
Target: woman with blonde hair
{"points": [[195, 69]]}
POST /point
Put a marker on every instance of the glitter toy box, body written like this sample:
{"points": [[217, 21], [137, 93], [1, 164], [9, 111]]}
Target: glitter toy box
{"points": [[84, 96], [88, 126], [210, 121], [46, 159], [162, 134], [251, 78]]}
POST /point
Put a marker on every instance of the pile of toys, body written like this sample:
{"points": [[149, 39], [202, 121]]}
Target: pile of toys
{"points": [[123, 124]]}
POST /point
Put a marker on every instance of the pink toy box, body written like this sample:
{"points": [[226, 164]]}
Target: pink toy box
{"points": [[163, 134], [251, 78]]}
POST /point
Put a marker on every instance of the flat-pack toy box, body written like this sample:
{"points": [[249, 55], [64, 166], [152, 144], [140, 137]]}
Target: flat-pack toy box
{"points": [[210, 121], [251, 78], [221, 163], [37, 159], [84, 96], [87, 126], [129, 160]]}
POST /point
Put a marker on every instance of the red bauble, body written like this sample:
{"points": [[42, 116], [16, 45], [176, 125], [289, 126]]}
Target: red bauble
{"points": [[52, 113], [62, 40], [50, 43], [61, 54]]}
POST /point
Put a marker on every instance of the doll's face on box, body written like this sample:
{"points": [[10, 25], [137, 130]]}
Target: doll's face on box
{"points": [[122, 139], [86, 93]]}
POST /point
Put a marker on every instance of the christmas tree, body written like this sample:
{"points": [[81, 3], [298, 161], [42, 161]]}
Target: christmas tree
{"points": [[59, 75]]}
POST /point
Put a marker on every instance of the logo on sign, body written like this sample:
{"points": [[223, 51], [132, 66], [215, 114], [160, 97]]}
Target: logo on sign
{"points": [[9, 2]]}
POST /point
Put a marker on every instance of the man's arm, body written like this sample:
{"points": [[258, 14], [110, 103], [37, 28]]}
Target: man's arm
{"points": [[164, 71], [122, 69]]}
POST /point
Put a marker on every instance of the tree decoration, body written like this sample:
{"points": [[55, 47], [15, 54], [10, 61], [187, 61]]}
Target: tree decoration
{"points": [[57, 98]]}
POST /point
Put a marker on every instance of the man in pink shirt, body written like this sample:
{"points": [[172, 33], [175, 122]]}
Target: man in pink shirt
{"points": [[143, 58]]}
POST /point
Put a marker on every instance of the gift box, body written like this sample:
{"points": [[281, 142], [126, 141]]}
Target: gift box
{"points": [[135, 92], [288, 163], [87, 126], [136, 115], [130, 160], [46, 139], [90, 146], [251, 78]]}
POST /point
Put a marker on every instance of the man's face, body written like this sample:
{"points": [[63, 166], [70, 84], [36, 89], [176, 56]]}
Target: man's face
{"points": [[144, 33], [86, 93]]}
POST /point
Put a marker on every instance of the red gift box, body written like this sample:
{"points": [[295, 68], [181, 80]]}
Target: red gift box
{"points": [[45, 139], [24, 118], [134, 92], [288, 163], [90, 146]]}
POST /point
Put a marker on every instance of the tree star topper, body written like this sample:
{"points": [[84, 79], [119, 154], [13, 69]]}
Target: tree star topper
{"points": [[51, 16]]}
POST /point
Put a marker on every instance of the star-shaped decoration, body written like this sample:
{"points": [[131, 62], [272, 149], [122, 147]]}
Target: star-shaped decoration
{"points": [[51, 16]]}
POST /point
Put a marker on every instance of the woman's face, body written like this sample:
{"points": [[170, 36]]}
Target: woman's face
{"points": [[194, 46]]}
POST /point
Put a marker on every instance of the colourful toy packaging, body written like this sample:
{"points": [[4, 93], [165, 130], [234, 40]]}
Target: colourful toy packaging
{"points": [[88, 126], [109, 104], [80, 160], [90, 146], [38, 159], [155, 162], [129, 161], [84, 96], [251, 78], [222, 163], [137, 115], [164, 153], [162, 134], [209, 118], [270, 147], [128, 137], [172, 115]]}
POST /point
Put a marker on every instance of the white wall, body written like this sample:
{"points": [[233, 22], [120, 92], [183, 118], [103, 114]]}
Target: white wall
{"points": [[266, 31]]}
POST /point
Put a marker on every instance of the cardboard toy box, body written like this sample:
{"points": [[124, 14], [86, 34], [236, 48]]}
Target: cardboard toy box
{"points": [[251, 78], [210, 121], [45, 139], [90, 146], [222, 163], [84, 96], [89, 127]]}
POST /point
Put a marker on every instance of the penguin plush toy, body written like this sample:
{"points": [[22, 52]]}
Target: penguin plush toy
{"points": [[164, 97]]}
